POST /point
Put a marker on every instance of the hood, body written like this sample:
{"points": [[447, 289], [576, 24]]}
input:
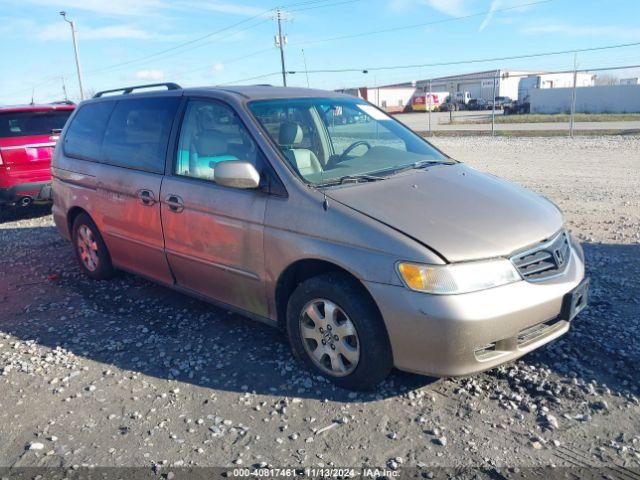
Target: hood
{"points": [[459, 212]]}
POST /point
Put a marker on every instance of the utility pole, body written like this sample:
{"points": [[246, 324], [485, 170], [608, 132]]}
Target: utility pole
{"points": [[573, 93], [493, 108], [75, 51], [280, 43]]}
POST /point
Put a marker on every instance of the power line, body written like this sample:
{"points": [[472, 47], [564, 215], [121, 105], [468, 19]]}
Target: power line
{"points": [[250, 78], [227, 61], [162, 52], [211, 34], [418, 25], [152, 57], [344, 2], [481, 60]]}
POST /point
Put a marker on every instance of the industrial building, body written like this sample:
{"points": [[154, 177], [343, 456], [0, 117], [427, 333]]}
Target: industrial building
{"points": [[478, 84], [397, 97], [391, 99]]}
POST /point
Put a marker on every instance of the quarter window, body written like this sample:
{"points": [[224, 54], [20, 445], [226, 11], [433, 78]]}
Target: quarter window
{"points": [[85, 134], [212, 133]]}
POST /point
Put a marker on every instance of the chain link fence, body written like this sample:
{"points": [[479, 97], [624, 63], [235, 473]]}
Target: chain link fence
{"points": [[605, 99]]}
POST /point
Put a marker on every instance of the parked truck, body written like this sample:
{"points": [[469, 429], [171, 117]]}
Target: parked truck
{"points": [[422, 102]]}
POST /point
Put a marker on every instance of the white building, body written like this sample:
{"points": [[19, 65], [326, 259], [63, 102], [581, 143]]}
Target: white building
{"points": [[478, 84], [515, 84], [630, 81], [391, 99], [507, 82]]}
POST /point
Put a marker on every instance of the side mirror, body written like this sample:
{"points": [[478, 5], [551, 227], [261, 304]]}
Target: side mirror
{"points": [[236, 174]]}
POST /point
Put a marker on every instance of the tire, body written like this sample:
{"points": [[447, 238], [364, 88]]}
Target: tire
{"points": [[374, 359], [91, 252]]}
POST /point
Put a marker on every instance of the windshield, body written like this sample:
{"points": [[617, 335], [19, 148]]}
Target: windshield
{"points": [[326, 140], [23, 124]]}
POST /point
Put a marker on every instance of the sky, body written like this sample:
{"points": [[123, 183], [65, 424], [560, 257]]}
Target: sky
{"points": [[212, 42]]}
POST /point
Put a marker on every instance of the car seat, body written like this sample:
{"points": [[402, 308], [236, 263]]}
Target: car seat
{"points": [[302, 159]]}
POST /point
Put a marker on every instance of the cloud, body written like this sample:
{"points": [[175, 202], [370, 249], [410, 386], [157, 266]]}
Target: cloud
{"points": [[455, 8], [108, 7], [60, 31], [452, 8], [492, 10], [155, 75], [225, 7], [611, 31], [218, 67]]}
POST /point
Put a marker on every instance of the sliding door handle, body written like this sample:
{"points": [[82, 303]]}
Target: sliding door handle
{"points": [[175, 203]]}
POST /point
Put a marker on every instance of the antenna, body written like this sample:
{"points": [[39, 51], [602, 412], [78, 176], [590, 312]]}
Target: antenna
{"points": [[33, 93], [306, 70], [64, 89]]}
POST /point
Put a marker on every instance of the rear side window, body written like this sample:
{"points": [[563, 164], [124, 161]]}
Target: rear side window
{"points": [[26, 124], [85, 134], [138, 133]]}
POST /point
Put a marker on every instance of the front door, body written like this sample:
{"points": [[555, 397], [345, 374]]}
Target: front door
{"points": [[214, 234]]}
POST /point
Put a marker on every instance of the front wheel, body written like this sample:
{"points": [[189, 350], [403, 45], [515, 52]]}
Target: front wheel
{"points": [[336, 330]]}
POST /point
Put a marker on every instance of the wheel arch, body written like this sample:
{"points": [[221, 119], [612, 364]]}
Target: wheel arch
{"points": [[304, 269], [72, 214]]}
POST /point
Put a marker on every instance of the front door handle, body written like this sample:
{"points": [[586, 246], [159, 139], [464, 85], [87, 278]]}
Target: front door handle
{"points": [[175, 203], [146, 197]]}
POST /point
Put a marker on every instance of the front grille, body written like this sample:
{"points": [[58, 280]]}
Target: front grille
{"points": [[545, 260]]}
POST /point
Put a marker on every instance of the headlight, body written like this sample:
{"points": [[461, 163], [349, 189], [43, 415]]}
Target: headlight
{"points": [[458, 277]]}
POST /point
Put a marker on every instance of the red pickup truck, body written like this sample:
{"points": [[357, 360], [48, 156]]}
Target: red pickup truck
{"points": [[28, 135]]}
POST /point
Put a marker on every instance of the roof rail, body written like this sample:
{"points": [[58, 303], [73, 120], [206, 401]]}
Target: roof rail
{"points": [[127, 90]]}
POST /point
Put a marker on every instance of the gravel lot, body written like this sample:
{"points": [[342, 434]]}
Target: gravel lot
{"points": [[129, 373]]}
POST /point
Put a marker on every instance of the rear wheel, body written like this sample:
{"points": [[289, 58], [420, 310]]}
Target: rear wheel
{"points": [[336, 330], [91, 252]]}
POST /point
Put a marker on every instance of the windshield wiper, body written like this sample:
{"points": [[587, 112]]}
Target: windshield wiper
{"points": [[418, 165], [353, 179]]}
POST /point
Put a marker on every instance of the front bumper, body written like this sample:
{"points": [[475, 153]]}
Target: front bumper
{"points": [[34, 191], [454, 335]]}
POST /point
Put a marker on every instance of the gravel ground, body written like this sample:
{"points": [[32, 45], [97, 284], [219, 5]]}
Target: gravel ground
{"points": [[128, 373]]}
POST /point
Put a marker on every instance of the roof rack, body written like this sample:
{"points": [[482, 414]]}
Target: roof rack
{"points": [[127, 90]]}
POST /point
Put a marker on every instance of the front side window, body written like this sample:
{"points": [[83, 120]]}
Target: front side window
{"points": [[326, 140], [212, 133]]}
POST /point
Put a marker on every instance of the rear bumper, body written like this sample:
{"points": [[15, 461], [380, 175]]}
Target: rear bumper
{"points": [[454, 335], [34, 191]]}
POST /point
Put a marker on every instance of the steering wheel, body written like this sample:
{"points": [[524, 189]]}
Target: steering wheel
{"points": [[353, 146]]}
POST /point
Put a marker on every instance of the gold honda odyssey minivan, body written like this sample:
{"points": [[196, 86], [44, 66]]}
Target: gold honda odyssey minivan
{"points": [[318, 213]]}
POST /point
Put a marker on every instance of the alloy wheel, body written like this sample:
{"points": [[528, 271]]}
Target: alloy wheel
{"points": [[329, 337], [88, 248]]}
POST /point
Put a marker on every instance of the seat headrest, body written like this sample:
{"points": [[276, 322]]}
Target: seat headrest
{"points": [[290, 134], [211, 143]]}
